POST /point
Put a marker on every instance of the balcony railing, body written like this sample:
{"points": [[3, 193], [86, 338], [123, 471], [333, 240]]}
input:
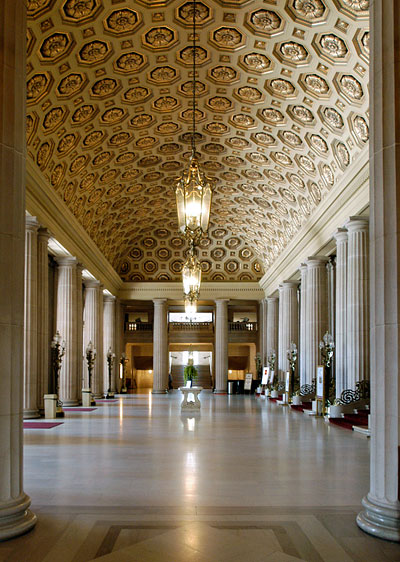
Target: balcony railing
{"points": [[138, 327], [191, 327], [243, 326]]}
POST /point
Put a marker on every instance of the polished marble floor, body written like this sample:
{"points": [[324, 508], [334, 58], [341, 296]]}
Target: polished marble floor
{"points": [[244, 480]]}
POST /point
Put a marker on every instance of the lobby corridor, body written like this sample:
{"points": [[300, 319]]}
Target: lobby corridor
{"points": [[246, 480]]}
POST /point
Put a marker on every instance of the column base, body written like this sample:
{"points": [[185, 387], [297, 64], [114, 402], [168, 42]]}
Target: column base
{"points": [[70, 403], [15, 518], [379, 520], [216, 391], [31, 414], [159, 391]]}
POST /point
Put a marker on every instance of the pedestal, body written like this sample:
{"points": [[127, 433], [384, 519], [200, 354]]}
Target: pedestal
{"points": [[296, 400], [190, 405], [87, 399], [50, 406]]}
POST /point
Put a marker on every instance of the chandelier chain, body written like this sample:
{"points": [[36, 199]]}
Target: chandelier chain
{"points": [[194, 81]]}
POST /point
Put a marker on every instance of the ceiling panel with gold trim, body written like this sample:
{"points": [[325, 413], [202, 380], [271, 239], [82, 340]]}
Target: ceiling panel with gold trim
{"points": [[282, 91]]}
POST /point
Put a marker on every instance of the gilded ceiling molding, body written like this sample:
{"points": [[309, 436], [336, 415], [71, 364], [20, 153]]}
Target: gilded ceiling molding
{"points": [[349, 199], [46, 205]]}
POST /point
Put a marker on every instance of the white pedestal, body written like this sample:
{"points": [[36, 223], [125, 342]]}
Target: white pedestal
{"points": [[50, 406], [87, 400], [190, 402], [296, 400], [317, 407], [274, 394], [335, 411]]}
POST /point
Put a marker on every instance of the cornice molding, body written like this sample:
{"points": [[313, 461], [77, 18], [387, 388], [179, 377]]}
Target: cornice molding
{"points": [[173, 291], [350, 197], [52, 213]]}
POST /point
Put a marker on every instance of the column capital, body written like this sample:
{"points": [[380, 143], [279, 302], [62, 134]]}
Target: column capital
{"points": [[357, 224], [221, 301], [289, 285], [109, 298], [31, 224], [159, 302], [272, 299], [66, 261], [340, 235], [91, 284], [44, 233], [303, 268], [317, 261]]}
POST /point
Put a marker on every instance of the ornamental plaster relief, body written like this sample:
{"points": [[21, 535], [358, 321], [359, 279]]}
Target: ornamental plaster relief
{"points": [[282, 113]]}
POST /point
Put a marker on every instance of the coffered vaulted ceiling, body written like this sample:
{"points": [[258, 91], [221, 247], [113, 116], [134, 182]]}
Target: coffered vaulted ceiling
{"points": [[282, 113]]}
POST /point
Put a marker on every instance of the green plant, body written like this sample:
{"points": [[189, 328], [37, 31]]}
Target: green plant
{"points": [[190, 373]]}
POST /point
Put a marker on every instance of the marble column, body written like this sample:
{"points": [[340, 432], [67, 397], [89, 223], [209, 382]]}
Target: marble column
{"points": [[331, 272], [357, 329], [288, 323], [43, 315], [340, 336], [100, 350], [160, 347], [31, 390], [79, 330], [15, 516], [109, 338], [262, 328], [66, 324], [92, 332], [221, 346], [272, 324], [302, 335], [316, 312], [381, 513]]}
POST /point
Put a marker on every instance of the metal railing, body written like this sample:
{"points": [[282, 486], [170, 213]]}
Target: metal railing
{"points": [[138, 327], [243, 326], [190, 327]]}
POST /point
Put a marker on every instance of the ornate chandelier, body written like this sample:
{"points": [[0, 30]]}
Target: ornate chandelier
{"points": [[191, 276], [193, 200]]}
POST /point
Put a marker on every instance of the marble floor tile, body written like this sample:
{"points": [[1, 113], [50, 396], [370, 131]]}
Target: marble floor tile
{"points": [[244, 481]]}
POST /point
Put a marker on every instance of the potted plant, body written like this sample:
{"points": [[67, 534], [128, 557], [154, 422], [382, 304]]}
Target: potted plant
{"points": [[190, 374]]}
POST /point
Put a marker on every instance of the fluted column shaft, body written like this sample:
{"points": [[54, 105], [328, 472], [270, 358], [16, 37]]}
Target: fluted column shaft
{"points": [[302, 335], [79, 330], [288, 323], [15, 517], [160, 347], [109, 338], [31, 386], [381, 515], [341, 311], [357, 301], [92, 332], [316, 312], [262, 328], [43, 315], [272, 324], [331, 272], [67, 326], [221, 345]]}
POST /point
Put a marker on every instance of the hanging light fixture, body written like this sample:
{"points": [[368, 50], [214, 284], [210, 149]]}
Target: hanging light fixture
{"points": [[194, 189], [190, 305], [191, 275]]}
